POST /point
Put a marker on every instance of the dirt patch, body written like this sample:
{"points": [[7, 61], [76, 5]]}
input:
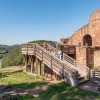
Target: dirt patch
{"points": [[89, 86]]}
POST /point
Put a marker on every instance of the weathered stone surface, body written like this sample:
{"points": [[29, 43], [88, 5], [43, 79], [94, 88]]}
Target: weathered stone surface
{"points": [[92, 29], [81, 55], [87, 41], [96, 58]]}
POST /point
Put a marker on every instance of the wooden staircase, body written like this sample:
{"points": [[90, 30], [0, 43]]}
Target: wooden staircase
{"points": [[67, 68]]}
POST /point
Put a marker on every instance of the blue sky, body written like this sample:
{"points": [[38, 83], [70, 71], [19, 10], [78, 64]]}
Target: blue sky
{"points": [[27, 20]]}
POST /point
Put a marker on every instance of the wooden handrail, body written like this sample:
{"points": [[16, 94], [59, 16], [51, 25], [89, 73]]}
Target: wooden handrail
{"points": [[66, 68], [83, 68], [47, 58]]}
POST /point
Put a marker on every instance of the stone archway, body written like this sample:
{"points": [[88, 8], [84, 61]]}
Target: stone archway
{"points": [[87, 40]]}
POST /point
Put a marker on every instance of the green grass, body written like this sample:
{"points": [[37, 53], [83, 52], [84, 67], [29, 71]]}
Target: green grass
{"points": [[26, 97], [22, 80], [63, 91]]}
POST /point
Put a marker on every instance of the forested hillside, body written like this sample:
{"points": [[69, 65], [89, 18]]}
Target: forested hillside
{"points": [[4, 49], [14, 56], [2, 52]]}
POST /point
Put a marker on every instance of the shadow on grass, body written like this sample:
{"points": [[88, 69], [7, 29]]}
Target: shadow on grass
{"points": [[61, 91], [64, 91], [28, 85]]}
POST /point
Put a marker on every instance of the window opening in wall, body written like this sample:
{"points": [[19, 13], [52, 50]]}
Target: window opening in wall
{"points": [[87, 40]]}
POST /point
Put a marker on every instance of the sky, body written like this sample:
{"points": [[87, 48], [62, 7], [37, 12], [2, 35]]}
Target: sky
{"points": [[22, 21]]}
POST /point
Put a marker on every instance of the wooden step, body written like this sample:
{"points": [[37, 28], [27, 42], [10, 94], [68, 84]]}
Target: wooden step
{"points": [[80, 77], [82, 80]]}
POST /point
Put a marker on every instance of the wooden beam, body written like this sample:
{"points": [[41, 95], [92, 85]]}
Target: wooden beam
{"points": [[39, 67], [32, 64], [26, 62]]}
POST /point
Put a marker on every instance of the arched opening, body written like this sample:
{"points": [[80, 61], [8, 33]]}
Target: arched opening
{"points": [[87, 40]]}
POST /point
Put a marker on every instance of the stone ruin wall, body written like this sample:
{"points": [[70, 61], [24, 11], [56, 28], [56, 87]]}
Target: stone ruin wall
{"points": [[92, 29], [77, 37], [81, 55], [97, 58]]}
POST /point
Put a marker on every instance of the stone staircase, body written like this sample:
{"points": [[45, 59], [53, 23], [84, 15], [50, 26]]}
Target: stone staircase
{"points": [[67, 68]]}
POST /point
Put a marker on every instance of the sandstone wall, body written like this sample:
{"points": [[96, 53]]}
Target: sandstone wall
{"points": [[96, 58], [81, 55], [92, 29], [77, 37]]}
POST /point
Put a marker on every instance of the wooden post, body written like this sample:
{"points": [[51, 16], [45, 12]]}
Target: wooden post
{"points": [[39, 67], [51, 67], [32, 64], [63, 72], [42, 55], [26, 62], [26, 48], [45, 70], [51, 73], [55, 76], [34, 49]]}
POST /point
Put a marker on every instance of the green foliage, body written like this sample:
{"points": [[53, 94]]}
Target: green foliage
{"points": [[4, 49], [63, 91], [13, 58], [1, 55], [8, 48]]}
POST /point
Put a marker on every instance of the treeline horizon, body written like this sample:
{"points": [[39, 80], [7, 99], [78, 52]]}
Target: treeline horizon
{"points": [[14, 56]]}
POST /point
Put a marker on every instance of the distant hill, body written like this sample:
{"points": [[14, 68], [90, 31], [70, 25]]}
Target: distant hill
{"points": [[4, 49], [40, 42], [7, 47], [14, 56]]}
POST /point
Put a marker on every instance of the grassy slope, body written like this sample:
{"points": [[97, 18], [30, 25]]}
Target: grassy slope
{"points": [[60, 91], [21, 79], [63, 91]]}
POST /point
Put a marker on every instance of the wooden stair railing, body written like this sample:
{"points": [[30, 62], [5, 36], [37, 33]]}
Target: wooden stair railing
{"points": [[95, 75], [81, 68], [58, 66]]}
